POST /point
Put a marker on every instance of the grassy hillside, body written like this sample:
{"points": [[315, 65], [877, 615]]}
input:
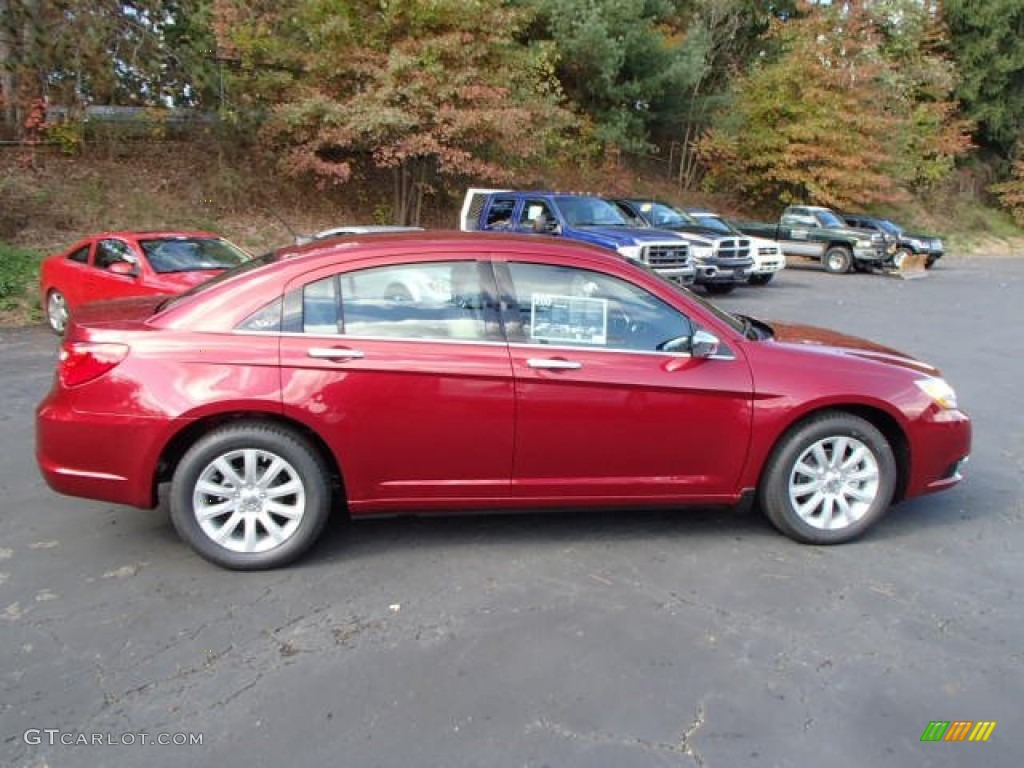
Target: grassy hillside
{"points": [[48, 200]]}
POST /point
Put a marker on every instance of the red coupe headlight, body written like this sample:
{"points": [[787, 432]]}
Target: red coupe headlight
{"points": [[84, 361]]}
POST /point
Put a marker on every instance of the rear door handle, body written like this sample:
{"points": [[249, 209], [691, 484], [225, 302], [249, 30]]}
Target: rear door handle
{"points": [[335, 353], [553, 364]]}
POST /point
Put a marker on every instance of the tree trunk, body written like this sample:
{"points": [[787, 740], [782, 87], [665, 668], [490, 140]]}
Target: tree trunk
{"points": [[8, 81]]}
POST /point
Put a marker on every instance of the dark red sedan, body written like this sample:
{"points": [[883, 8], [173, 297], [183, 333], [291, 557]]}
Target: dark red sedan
{"points": [[116, 264], [435, 372]]}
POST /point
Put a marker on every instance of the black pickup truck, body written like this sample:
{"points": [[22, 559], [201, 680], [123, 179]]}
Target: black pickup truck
{"points": [[930, 247]]}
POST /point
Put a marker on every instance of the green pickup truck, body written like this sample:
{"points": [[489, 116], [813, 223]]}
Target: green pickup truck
{"points": [[819, 233]]}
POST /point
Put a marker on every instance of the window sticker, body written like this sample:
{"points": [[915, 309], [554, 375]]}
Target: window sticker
{"points": [[571, 319]]}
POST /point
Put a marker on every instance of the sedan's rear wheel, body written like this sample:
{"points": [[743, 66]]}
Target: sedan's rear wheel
{"points": [[250, 496], [829, 479], [57, 312]]}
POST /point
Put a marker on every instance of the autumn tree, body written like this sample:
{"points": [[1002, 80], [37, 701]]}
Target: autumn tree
{"points": [[836, 117], [429, 91]]}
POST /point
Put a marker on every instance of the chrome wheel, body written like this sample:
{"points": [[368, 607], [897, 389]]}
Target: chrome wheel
{"points": [[249, 500], [834, 483], [57, 311]]}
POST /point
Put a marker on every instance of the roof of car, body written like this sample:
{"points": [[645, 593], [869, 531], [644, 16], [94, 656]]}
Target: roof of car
{"points": [[435, 237], [139, 234]]}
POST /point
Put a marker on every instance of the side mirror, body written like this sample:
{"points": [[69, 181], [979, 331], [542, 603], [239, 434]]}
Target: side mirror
{"points": [[704, 344], [128, 268]]}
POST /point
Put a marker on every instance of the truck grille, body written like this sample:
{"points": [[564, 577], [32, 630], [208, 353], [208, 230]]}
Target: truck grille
{"points": [[667, 255], [734, 248]]}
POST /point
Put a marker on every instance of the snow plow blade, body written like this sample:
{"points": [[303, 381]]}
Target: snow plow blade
{"points": [[910, 267]]}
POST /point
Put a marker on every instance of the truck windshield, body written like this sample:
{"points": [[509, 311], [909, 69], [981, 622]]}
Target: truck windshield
{"points": [[589, 212], [661, 215], [829, 219]]}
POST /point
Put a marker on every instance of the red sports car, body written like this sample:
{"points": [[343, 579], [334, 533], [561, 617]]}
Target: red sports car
{"points": [[118, 264], [545, 374]]}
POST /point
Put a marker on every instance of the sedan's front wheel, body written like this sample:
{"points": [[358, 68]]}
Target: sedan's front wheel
{"points": [[250, 496], [829, 479]]}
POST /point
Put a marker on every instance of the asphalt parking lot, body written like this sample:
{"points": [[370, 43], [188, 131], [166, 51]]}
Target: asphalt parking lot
{"points": [[697, 638]]}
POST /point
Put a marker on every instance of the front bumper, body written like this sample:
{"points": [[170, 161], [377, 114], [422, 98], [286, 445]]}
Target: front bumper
{"points": [[940, 443], [681, 275], [718, 272]]}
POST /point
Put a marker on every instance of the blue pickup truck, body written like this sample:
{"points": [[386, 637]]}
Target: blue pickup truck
{"points": [[578, 217]]}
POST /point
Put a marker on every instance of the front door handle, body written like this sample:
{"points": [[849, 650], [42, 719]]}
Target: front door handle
{"points": [[334, 353], [553, 364]]}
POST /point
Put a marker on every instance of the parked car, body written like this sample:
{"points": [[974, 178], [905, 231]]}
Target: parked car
{"points": [[769, 259], [554, 375], [118, 264], [582, 218], [813, 232], [930, 247], [355, 229], [723, 259]]}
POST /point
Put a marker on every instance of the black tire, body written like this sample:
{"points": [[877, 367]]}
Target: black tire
{"points": [[720, 289], [56, 312], [795, 457], [296, 517], [930, 262], [837, 259], [761, 279]]}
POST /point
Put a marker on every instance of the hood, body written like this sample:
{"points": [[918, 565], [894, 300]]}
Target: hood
{"points": [[632, 235], [833, 343], [177, 282], [708, 233]]}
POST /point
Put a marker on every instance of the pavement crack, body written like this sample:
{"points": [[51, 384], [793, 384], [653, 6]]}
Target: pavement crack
{"points": [[686, 745]]}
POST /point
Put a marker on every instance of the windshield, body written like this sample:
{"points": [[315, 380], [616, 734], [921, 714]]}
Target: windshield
{"points": [[589, 212], [190, 254], [661, 215], [889, 227], [246, 266], [829, 219], [711, 221]]}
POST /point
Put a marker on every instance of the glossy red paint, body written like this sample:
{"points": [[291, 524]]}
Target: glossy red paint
{"points": [[86, 271], [429, 425]]}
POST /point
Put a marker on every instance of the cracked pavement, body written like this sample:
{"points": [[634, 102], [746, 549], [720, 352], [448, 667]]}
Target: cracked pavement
{"points": [[698, 638]]}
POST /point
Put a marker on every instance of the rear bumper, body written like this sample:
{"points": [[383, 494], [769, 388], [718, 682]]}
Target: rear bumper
{"points": [[98, 456]]}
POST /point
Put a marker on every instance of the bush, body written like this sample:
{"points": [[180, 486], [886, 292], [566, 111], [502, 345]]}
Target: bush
{"points": [[19, 275]]}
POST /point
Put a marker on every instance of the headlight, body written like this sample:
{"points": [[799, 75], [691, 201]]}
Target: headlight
{"points": [[864, 243], [631, 251], [702, 251], [939, 391]]}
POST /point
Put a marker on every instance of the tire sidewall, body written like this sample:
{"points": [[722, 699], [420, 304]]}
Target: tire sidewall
{"points": [[846, 262], [774, 492], [267, 438]]}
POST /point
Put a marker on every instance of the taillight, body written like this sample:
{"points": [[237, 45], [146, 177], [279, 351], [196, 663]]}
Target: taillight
{"points": [[83, 361]]}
